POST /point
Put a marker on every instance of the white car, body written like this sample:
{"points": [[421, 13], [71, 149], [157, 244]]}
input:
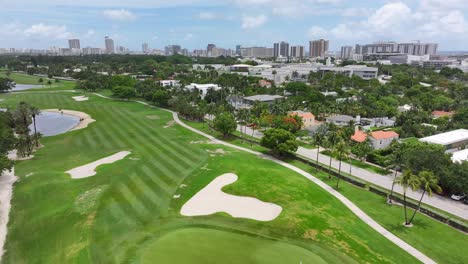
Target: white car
{"points": [[458, 196]]}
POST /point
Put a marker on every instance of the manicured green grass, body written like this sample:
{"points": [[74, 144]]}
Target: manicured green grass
{"points": [[439, 241], [31, 79], [197, 245], [121, 214]]}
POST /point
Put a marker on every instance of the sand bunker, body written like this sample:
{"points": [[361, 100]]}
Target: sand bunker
{"points": [[80, 98], [85, 119], [89, 170], [7, 179], [212, 199], [216, 152], [153, 117]]}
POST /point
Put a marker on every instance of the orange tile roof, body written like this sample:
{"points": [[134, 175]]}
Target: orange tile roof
{"points": [[359, 136], [303, 115], [384, 134], [442, 113]]}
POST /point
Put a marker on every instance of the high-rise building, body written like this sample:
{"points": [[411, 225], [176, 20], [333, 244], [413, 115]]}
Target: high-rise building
{"points": [[346, 52], [145, 48], [297, 51], [172, 50], [256, 52], [238, 50], [74, 43], [209, 49], [109, 45], [416, 48], [281, 49], [318, 48]]}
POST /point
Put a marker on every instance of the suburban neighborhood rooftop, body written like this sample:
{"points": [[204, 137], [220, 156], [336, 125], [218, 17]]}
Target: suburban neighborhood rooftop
{"points": [[448, 137]]}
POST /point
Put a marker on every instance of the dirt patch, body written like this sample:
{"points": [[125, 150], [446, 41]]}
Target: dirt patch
{"points": [[80, 98], [216, 152], [87, 201], [153, 117], [170, 124], [311, 234], [203, 142]]}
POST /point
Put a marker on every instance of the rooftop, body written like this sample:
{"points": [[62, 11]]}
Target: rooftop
{"points": [[447, 138], [384, 134], [342, 118], [359, 136], [460, 156], [263, 97], [303, 114]]}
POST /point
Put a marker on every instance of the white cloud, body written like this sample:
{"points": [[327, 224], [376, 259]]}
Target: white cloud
{"points": [[207, 15], [47, 31], [89, 34], [119, 15], [250, 22], [316, 32], [188, 36], [10, 29]]}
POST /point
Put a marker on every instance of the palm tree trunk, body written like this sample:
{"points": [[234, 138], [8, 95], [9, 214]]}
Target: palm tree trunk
{"points": [[35, 131], [339, 174], [350, 166], [419, 207], [317, 165], [329, 167], [404, 205]]}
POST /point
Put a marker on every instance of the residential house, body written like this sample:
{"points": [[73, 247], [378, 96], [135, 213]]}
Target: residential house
{"points": [[438, 114], [452, 140], [308, 119], [169, 83], [264, 83], [202, 88], [263, 98], [378, 139]]}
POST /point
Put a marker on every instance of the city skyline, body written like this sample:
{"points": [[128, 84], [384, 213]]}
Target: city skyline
{"points": [[246, 22]]}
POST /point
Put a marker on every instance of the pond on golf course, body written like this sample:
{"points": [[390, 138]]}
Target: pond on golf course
{"points": [[51, 124], [21, 87]]}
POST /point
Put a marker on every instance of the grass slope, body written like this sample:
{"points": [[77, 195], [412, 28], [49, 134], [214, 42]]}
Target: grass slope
{"points": [[126, 212]]}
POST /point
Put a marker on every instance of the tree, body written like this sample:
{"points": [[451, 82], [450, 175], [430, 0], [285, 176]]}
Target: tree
{"points": [[342, 150], [35, 112], [41, 81], [49, 82], [7, 140], [363, 149], [407, 179], [319, 139], [6, 84], [395, 162], [124, 92], [161, 97], [280, 141], [429, 184], [225, 123]]}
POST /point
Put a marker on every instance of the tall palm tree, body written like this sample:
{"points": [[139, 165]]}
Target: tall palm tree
{"points": [[342, 150], [34, 113], [429, 184], [407, 179], [395, 163]]}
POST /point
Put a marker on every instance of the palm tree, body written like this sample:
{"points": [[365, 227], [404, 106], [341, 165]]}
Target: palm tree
{"points": [[395, 163], [274, 72], [35, 112], [49, 83], [342, 149], [41, 81], [407, 179], [319, 139], [429, 184]]}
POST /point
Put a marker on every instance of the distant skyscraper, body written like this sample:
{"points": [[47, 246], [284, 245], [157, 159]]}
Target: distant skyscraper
{"points": [[318, 48], [346, 52], [109, 45], [145, 47], [209, 49], [281, 49], [297, 51], [74, 43], [238, 50], [172, 50], [416, 48]]}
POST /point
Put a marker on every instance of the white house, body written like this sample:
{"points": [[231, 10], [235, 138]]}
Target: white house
{"points": [[169, 83], [202, 88]]}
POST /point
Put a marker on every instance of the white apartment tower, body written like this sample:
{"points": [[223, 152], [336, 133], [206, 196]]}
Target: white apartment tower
{"points": [[74, 43], [346, 52], [297, 51], [281, 49]]}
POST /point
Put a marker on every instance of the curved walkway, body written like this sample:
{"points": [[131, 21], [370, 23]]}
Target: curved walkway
{"points": [[356, 210]]}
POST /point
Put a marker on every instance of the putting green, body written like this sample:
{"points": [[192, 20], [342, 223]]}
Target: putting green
{"points": [[199, 245]]}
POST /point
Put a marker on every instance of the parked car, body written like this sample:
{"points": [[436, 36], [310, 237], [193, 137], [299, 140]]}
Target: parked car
{"points": [[458, 196], [465, 201]]}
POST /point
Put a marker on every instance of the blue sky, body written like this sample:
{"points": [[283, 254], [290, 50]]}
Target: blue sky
{"points": [[195, 23]]}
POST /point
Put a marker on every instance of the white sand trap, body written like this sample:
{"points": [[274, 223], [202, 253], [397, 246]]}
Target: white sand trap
{"points": [[89, 169], [85, 119], [212, 199], [80, 98], [170, 124], [7, 179]]}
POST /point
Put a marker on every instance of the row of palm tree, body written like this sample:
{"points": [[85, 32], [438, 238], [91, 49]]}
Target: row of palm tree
{"points": [[425, 180]]}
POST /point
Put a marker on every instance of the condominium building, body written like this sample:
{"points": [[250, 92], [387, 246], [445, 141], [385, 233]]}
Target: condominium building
{"points": [[297, 51], [92, 51], [416, 48], [109, 45], [209, 49], [318, 48], [172, 50], [74, 43], [281, 49], [145, 48], [256, 52], [346, 52]]}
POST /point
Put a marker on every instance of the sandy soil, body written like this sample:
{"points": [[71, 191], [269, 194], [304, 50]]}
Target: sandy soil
{"points": [[169, 124], [85, 119], [12, 155], [89, 169], [7, 179], [212, 199], [80, 98]]}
